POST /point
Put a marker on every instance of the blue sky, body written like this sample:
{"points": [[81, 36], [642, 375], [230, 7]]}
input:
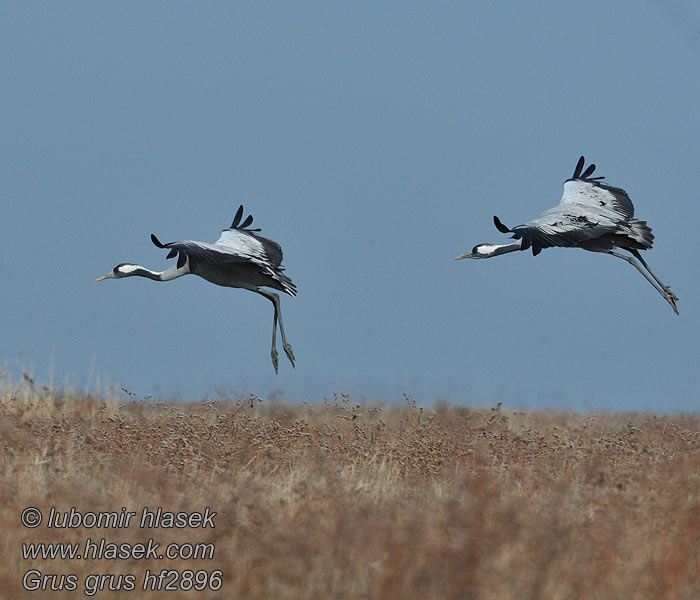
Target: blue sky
{"points": [[374, 141]]}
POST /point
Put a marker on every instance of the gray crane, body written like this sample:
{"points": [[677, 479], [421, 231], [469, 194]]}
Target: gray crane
{"points": [[240, 258], [591, 215]]}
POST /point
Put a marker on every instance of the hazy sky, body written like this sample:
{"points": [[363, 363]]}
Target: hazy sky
{"points": [[374, 141]]}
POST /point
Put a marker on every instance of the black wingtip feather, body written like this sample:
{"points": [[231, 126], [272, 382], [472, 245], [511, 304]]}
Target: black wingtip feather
{"points": [[246, 223], [237, 218], [156, 241], [585, 175], [172, 253], [500, 226], [181, 259], [588, 171]]}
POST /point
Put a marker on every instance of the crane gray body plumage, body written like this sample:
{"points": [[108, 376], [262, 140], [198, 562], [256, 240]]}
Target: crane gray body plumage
{"points": [[591, 215]]}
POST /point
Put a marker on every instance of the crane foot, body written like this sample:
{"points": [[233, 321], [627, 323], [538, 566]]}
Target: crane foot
{"points": [[275, 361], [289, 353], [671, 298], [669, 293]]}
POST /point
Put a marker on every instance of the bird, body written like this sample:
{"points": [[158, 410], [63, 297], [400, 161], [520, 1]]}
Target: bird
{"points": [[240, 258], [591, 215]]}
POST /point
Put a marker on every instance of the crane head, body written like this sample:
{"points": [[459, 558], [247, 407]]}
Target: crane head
{"points": [[121, 270], [478, 251]]}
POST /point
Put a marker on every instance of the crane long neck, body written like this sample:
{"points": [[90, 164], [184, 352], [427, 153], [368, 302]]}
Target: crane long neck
{"points": [[489, 250], [167, 275]]}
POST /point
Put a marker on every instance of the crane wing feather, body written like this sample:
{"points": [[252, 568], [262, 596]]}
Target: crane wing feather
{"points": [[563, 228], [588, 172], [233, 246], [248, 221], [203, 252], [237, 218], [250, 246], [598, 197]]}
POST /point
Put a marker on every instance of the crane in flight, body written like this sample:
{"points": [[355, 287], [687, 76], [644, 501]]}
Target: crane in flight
{"points": [[240, 258], [591, 215]]}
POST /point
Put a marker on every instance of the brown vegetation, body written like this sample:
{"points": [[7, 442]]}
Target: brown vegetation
{"points": [[340, 500]]}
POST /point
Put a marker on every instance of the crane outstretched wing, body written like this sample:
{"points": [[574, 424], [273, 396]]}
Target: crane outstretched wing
{"points": [[236, 245], [198, 252], [597, 197], [584, 190], [243, 241], [250, 246], [556, 227]]}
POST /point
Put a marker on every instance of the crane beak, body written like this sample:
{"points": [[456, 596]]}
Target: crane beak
{"points": [[467, 255], [109, 275]]}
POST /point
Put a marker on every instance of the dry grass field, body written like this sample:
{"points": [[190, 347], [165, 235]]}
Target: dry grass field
{"points": [[344, 500]]}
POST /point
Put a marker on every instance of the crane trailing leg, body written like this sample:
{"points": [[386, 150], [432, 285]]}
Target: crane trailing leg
{"points": [[646, 266], [275, 299], [664, 290]]}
